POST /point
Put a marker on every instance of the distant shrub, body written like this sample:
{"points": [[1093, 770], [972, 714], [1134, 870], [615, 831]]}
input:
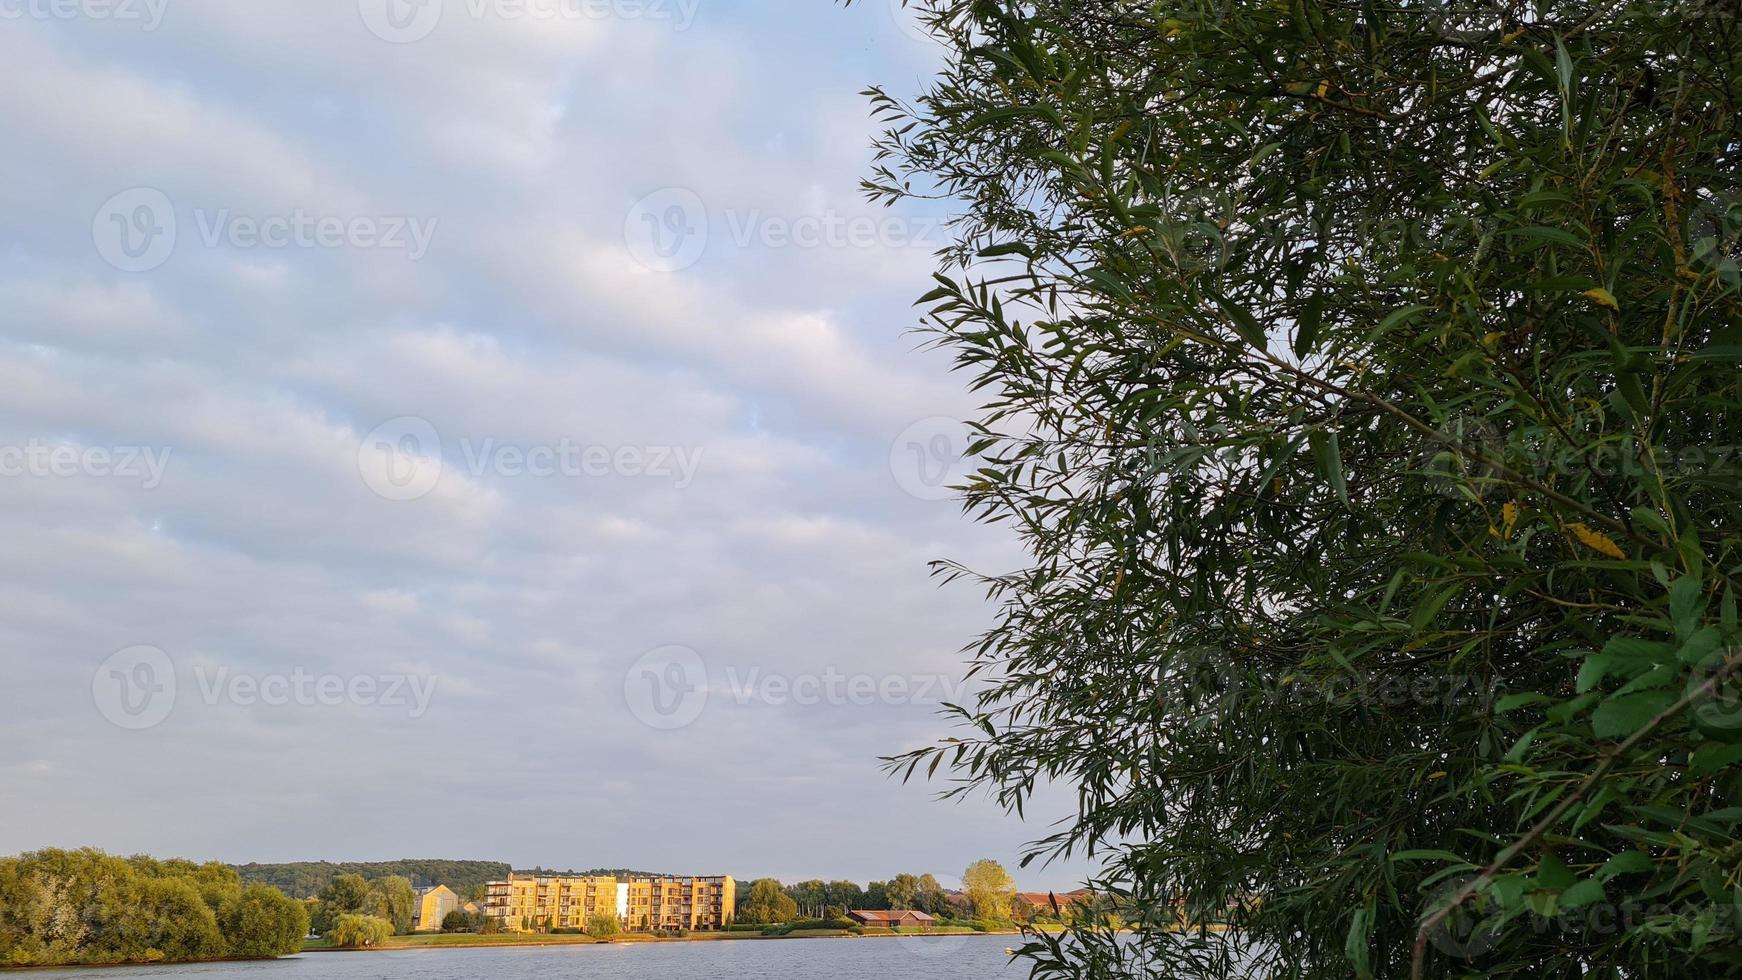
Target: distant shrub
{"points": [[809, 925], [360, 931]]}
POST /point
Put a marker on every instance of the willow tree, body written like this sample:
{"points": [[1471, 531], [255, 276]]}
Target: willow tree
{"points": [[1362, 379]]}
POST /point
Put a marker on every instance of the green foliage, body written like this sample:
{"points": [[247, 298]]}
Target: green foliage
{"points": [[1363, 382], [815, 897], [261, 922], [392, 898], [826, 924], [344, 894], [603, 924], [307, 879], [352, 931], [86, 907], [990, 889], [765, 902], [459, 920], [918, 892]]}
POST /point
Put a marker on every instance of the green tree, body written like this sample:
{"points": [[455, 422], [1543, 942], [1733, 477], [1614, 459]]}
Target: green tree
{"points": [[343, 895], [765, 903], [1352, 376], [846, 894], [990, 890], [353, 931], [929, 896], [392, 898], [307, 879], [86, 907], [902, 892], [809, 896], [459, 920], [259, 922], [603, 924], [158, 919]]}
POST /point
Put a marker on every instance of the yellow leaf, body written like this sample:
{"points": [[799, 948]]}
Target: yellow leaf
{"points": [[1602, 297], [1134, 231], [1511, 36], [1509, 518], [1436, 775], [1323, 88], [1596, 541], [1489, 340]]}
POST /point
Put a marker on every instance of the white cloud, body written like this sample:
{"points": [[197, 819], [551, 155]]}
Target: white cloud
{"points": [[523, 599]]}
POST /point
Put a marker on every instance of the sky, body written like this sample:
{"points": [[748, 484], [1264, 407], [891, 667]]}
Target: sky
{"points": [[483, 429]]}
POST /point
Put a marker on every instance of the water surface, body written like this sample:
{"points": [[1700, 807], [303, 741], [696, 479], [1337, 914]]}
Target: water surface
{"points": [[884, 958]]}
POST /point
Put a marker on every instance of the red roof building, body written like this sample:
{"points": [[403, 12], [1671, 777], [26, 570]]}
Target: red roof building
{"points": [[892, 917]]}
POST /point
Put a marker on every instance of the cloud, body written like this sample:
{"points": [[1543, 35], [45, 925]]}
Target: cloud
{"points": [[772, 379]]}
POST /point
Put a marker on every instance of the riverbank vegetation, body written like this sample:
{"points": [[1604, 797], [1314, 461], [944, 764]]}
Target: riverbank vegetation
{"points": [[1363, 381], [60, 908], [391, 899], [352, 931]]}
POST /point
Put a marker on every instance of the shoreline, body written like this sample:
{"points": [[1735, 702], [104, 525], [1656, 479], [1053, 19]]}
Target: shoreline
{"points": [[706, 937], [516, 943]]}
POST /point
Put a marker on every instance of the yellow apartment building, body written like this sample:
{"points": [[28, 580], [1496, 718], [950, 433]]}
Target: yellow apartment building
{"points": [[526, 903], [680, 903], [433, 906]]}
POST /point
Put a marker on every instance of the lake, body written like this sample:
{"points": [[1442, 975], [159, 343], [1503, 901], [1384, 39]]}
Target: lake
{"points": [[896, 958]]}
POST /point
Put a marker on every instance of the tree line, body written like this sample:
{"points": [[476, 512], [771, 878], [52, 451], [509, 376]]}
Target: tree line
{"points": [[988, 893], [306, 879], [391, 900], [63, 908]]}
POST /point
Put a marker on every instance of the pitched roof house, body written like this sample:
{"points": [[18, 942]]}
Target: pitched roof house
{"points": [[433, 905], [891, 917]]}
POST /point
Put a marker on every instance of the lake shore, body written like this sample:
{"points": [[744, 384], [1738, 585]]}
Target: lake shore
{"points": [[507, 940], [436, 941]]}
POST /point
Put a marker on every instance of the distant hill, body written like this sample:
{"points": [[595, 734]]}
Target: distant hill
{"points": [[305, 879], [598, 873]]}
